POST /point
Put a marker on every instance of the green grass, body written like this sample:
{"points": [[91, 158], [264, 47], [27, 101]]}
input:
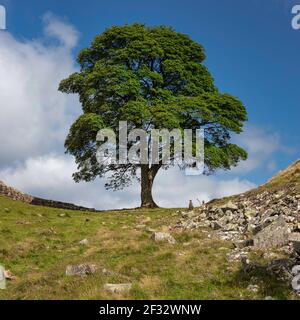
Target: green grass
{"points": [[36, 244]]}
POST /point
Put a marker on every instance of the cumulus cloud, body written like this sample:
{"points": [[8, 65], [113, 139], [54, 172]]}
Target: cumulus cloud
{"points": [[261, 145], [174, 189], [50, 177], [56, 28], [34, 116]]}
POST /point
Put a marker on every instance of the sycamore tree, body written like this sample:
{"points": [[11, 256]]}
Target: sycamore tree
{"points": [[151, 77]]}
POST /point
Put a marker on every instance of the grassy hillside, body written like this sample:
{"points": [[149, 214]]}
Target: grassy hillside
{"points": [[37, 243], [287, 180]]}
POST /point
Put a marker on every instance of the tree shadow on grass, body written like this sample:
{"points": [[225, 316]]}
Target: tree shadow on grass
{"points": [[269, 284]]}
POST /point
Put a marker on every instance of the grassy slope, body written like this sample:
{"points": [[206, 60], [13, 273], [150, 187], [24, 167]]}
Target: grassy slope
{"points": [[38, 252], [284, 180]]}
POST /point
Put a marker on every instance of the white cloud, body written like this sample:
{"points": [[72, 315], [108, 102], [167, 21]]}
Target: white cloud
{"points": [[34, 116], [60, 30], [174, 189], [50, 177], [261, 145]]}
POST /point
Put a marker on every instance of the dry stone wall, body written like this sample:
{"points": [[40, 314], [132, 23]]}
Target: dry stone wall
{"points": [[20, 196]]}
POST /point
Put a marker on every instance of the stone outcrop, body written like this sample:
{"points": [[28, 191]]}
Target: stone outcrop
{"points": [[264, 216], [266, 219]]}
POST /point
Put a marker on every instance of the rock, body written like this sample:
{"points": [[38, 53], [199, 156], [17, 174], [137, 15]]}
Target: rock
{"points": [[190, 224], [107, 272], [23, 222], [145, 220], [64, 215], [295, 239], [81, 269], [236, 255], [266, 216], [84, 242], [188, 214], [7, 210], [231, 227], [118, 288], [140, 226], [2, 278], [250, 213], [253, 287], [8, 275], [244, 243], [281, 268], [215, 225], [150, 230], [180, 254], [162, 237], [254, 229], [229, 206], [296, 278], [273, 236]]}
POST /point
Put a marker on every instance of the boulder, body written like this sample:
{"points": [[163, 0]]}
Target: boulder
{"points": [[118, 288], [163, 237], [294, 238], [215, 225], [229, 206], [243, 243], [84, 242], [189, 214], [140, 226], [81, 269], [274, 235], [253, 287]]}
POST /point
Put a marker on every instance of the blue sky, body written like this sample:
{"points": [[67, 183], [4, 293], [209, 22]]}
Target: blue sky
{"points": [[252, 52]]}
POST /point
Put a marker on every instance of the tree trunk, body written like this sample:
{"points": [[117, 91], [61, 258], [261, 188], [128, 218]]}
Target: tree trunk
{"points": [[147, 178]]}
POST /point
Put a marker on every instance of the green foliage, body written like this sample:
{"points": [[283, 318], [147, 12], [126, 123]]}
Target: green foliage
{"points": [[153, 78]]}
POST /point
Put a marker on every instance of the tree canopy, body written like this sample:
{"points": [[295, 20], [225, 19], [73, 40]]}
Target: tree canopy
{"points": [[151, 77]]}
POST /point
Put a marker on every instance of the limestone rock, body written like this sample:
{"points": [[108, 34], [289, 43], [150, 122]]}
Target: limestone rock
{"points": [[118, 288], [295, 239], [244, 243], [229, 206], [253, 287], [273, 236], [84, 242], [163, 237], [81, 269], [140, 226]]}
